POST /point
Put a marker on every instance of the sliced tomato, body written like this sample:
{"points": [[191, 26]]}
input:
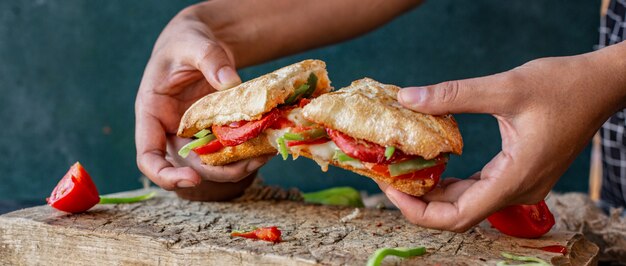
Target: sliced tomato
{"points": [[362, 149], [211, 147], [307, 142], [76, 192], [525, 221], [240, 132]]}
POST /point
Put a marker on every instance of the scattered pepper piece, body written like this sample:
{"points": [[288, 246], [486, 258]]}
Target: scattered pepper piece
{"points": [[270, 234], [380, 254], [530, 261]]}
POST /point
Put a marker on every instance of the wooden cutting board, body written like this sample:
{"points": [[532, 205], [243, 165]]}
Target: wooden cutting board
{"points": [[167, 231]]}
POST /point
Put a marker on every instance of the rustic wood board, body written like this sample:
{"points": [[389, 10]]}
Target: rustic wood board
{"points": [[167, 231]]}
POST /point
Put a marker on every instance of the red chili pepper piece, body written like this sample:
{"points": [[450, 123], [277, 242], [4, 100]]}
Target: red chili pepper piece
{"points": [[525, 221], [270, 234], [211, 147], [75, 193]]}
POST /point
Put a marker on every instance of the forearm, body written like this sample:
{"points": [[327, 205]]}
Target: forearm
{"points": [[609, 65], [256, 31]]}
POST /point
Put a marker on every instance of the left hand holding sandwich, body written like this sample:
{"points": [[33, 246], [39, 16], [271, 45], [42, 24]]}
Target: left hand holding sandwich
{"points": [[187, 63], [547, 111]]}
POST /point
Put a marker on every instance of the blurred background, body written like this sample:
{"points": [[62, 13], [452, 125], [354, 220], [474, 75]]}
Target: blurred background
{"points": [[69, 72]]}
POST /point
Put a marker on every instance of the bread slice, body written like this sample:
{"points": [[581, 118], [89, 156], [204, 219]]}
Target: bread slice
{"points": [[255, 147], [250, 100], [369, 110], [415, 187]]}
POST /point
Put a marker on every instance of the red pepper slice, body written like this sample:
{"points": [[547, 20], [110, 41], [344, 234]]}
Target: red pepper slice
{"points": [[211, 147], [525, 221], [292, 143], [270, 234], [75, 193], [240, 132]]}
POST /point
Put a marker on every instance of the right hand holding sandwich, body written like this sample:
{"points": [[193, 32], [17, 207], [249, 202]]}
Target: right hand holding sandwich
{"points": [[187, 62], [547, 111]]}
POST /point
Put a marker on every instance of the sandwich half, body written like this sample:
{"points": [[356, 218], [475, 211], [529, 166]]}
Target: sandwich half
{"points": [[363, 128], [231, 125]]}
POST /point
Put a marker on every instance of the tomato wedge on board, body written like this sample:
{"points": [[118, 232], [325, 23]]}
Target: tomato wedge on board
{"points": [[242, 131], [362, 149], [525, 221], [76, 192], [211, 147]]}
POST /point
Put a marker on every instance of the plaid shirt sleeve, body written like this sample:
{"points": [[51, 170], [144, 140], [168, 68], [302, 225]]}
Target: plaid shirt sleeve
{"points": [[613, 194]]}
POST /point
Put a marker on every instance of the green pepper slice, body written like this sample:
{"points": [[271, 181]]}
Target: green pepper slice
{"points": [[185, 150], [380, 254], [410, 166]]}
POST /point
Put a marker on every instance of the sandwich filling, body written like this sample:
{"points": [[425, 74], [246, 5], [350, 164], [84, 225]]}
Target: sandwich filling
{"points": [[327, 146], [215, 138]]}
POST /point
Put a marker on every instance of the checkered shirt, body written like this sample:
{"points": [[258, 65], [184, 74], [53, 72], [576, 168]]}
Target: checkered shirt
{"points": [[612, 31]]}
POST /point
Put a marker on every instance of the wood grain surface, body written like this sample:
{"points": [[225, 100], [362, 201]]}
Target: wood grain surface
{"points": [[168, 231]]}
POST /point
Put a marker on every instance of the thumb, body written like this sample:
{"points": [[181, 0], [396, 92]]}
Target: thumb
{"points": [[218, 68], [476, 95]]}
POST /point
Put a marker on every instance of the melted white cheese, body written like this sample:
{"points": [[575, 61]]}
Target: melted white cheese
{"points": [[322, 153]]}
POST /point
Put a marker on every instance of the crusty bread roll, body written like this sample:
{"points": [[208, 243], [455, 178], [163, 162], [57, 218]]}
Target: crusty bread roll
{"points": [[250, 100], [369, 110]]}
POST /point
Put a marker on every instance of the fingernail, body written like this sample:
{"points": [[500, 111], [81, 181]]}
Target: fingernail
{"points": [[185, 184], [412, 95], [227, 77]]}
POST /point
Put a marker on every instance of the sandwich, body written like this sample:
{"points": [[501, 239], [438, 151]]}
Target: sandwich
{"points": [[230, 125], [363, 128]]}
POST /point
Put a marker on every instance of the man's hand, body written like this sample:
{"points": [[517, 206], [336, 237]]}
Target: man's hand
{"points": [[547, 111], [187, 62]]}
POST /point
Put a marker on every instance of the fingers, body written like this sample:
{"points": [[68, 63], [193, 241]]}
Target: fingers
{"points": [[476, 95], [213, 61], [457, 205], [151, 142]]}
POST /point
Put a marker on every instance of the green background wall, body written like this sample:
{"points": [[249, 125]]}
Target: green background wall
{"points": [[69, 71]]}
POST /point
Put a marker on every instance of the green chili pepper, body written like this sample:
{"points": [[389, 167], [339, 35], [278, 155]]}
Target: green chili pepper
{"points": [[312, 82], [202, 133], [114, 200], [380, 254], [282, 148], [531, 261], [340, 196], [410, 166], [389, 152], [185, 150], [342, 157], [296, 94], [293, 136]]}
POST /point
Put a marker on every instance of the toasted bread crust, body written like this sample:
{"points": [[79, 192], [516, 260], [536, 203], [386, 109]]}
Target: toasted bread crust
{"points": [[369, 110], [250, 100], [255, 147], [415, 187]]}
